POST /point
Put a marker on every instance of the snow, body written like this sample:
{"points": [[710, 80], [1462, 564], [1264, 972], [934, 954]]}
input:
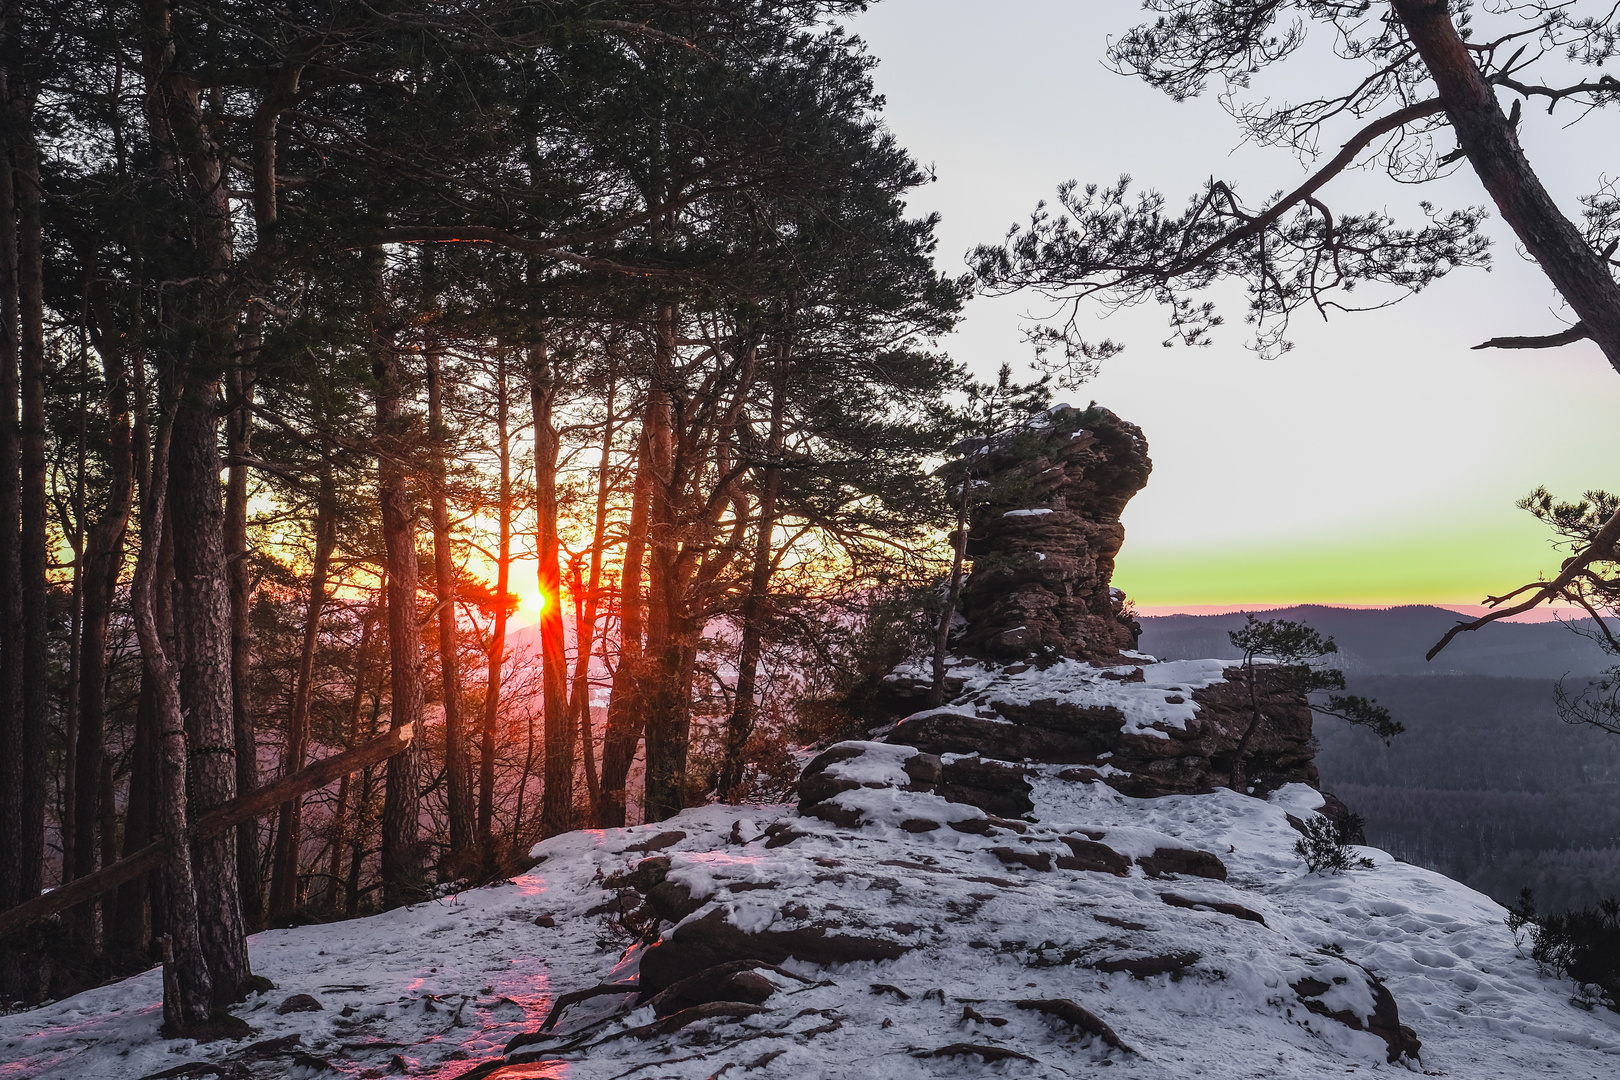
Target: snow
{"points": [[1146, 705], [1027, 513], [879, 763], [446, 984]]}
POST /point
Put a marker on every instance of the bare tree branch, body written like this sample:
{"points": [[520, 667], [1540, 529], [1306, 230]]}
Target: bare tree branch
{"points": [[1578, 332]]}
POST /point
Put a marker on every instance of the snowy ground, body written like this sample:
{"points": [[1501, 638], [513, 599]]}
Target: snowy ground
{"points": [[437, 989]]}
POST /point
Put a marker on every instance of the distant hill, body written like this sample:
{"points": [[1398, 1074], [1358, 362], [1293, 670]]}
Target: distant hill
{"points": [[1392, 641]]}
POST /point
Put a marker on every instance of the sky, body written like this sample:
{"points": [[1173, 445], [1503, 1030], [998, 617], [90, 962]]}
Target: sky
{"points": [[1376, 464]]}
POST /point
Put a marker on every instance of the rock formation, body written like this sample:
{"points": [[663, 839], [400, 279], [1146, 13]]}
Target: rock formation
{"points": [[1077, 715], [1044, 533]]}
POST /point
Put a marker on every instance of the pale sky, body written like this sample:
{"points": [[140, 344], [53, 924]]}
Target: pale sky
{"points": [[1379, 461]]}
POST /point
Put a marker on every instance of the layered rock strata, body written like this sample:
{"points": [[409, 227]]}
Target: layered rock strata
{"points": [[1145, 729], [1044, 534]]}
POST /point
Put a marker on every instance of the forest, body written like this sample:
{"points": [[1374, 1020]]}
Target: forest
{"points": [[508, 395]]}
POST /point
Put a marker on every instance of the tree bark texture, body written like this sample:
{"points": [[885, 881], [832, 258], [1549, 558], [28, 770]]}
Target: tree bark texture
{"points": [[497, 640], [1491, 144], [744, 711], [587, 611], [668, 715], [557, 800], [458, 761], [11, 704], [103, 562], [202, 631], [188, 990], [202, 605], [401, 843], [289, 827], [239, 438], [626, 717], [34, 555]]}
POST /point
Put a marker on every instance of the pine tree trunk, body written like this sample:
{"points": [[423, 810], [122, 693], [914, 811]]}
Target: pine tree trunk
{"points": [[103, 563], [953, 595], [13, 966], [497, 641], [668, 715], [191, 162], [188, 990], [626, 717], [11, 708], [557, 800], [1484, 133], [586, 616], [458, 762], [340, 815], [289, 827], [202, 625], [239, 436], [744, 712], [34, 549], [401, 826], [132, 932], [81, 920], [129, 935]]}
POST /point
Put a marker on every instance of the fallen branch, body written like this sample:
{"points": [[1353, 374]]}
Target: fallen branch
{"points": [[225, 816], [524, 1038]]}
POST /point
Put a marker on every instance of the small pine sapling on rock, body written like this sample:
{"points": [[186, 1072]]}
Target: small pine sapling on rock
{"points": [[1295, 649], [1326, 845]]}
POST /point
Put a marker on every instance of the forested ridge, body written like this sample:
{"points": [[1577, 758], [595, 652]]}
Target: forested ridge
{"points": [[1487, 785], [328, 325]]}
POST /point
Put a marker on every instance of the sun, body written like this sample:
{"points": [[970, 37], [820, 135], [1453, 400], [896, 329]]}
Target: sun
{"points": [[531, 602]]}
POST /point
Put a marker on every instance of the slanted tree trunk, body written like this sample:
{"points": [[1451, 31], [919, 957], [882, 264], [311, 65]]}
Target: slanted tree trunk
{"points": [[289, 828], [458, 762], [557, 800], [497, 639], [626, 716], [1491, 143], [401, 846], [744, 710]]}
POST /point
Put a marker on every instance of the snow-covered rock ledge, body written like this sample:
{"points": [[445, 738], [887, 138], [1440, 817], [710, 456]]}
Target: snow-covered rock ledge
{"points": [[973, 939], [1146, 727]]}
